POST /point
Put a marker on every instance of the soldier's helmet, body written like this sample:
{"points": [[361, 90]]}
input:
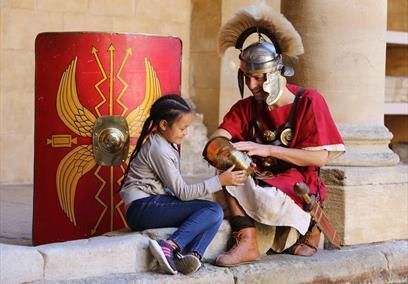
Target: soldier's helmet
{"points": [[276, 36]]}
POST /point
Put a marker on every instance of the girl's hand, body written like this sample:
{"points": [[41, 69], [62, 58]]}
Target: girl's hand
{"points": [[232, 178], [253, 149]]}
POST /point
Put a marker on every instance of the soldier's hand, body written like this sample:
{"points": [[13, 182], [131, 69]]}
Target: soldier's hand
{"points": [[230, 177], [253, 149]]}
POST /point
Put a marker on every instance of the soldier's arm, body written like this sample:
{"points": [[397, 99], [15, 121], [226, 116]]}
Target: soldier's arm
{"points": [[297, 157], [221, 132], [300, 157]]}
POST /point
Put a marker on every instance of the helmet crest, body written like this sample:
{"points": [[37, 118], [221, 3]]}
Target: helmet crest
{"points": [[261, 19]]}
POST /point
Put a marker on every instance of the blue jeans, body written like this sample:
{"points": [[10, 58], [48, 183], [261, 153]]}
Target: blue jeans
{"points": [[197, 220]]}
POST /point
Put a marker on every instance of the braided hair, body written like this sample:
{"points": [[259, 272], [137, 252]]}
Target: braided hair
{"points": [[168, 108]]}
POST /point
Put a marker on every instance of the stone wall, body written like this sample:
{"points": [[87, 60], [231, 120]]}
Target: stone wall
{"points": [[21, 21], [205, 62]]}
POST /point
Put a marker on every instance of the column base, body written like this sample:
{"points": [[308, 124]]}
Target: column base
{"points": [[367, 204]]}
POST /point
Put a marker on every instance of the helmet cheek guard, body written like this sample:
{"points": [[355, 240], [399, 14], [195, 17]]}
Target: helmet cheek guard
{"points": [[274, 86]]}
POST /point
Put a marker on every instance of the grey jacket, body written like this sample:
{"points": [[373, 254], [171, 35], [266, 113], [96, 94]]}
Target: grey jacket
{"points": [[156, 170]]}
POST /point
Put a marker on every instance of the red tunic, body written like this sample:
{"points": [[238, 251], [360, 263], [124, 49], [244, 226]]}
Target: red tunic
{"points": [[314, 127]]}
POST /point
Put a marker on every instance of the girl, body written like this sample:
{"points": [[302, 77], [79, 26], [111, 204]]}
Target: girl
{"points": [[156, 195]]}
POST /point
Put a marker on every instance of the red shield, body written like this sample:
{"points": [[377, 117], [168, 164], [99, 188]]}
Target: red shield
{"points": [[80, 77]]}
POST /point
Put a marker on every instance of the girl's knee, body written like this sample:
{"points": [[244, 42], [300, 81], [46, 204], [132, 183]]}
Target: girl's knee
{"points": [[218, 211]]}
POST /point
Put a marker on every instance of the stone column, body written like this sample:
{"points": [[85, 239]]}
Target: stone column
{"points": [[345, 61]]}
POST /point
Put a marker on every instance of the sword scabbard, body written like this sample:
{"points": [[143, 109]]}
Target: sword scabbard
{"points": [[324, 225], [316, 211]]}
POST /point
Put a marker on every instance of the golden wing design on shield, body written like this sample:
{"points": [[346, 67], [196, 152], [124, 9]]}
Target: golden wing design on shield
{"points": [[71, 168], [131, 148], [137, 117], [74, 115]]}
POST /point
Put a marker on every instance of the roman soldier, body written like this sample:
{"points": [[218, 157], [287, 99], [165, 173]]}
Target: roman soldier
{"points": [[286, 130]]}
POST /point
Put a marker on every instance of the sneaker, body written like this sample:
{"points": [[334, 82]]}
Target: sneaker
{"points": [[187, 264], [163, 253]]}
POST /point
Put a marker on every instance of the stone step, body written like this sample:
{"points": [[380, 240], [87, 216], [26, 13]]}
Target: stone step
{"points": [[116, 252], [376, 263], [123, 257]]}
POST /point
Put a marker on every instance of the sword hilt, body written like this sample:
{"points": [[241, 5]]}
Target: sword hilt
{"points": [[303, 190]]}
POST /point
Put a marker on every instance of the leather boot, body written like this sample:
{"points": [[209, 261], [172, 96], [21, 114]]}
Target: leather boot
{"points": [[307, 244], [244, 250]]}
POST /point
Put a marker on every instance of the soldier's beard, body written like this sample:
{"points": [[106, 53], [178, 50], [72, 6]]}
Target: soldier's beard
{"points": [[259, 94]]}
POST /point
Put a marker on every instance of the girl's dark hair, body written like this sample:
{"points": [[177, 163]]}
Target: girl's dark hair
{"points": [[168, 108]]}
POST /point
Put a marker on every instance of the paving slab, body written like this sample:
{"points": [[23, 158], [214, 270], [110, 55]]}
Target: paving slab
{"points": [[20, 264], [16, 214], [96, 256], [382, 263], [207, 274]]}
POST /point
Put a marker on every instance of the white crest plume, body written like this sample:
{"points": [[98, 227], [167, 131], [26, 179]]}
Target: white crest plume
{"points": [[261, 15]]}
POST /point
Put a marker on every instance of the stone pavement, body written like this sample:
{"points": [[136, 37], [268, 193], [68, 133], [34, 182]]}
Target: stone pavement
{"points": [[123, 257], [16, 214]]}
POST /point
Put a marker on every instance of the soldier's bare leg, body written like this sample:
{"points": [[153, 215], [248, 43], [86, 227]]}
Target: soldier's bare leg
{"points": [[233, 205]]}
